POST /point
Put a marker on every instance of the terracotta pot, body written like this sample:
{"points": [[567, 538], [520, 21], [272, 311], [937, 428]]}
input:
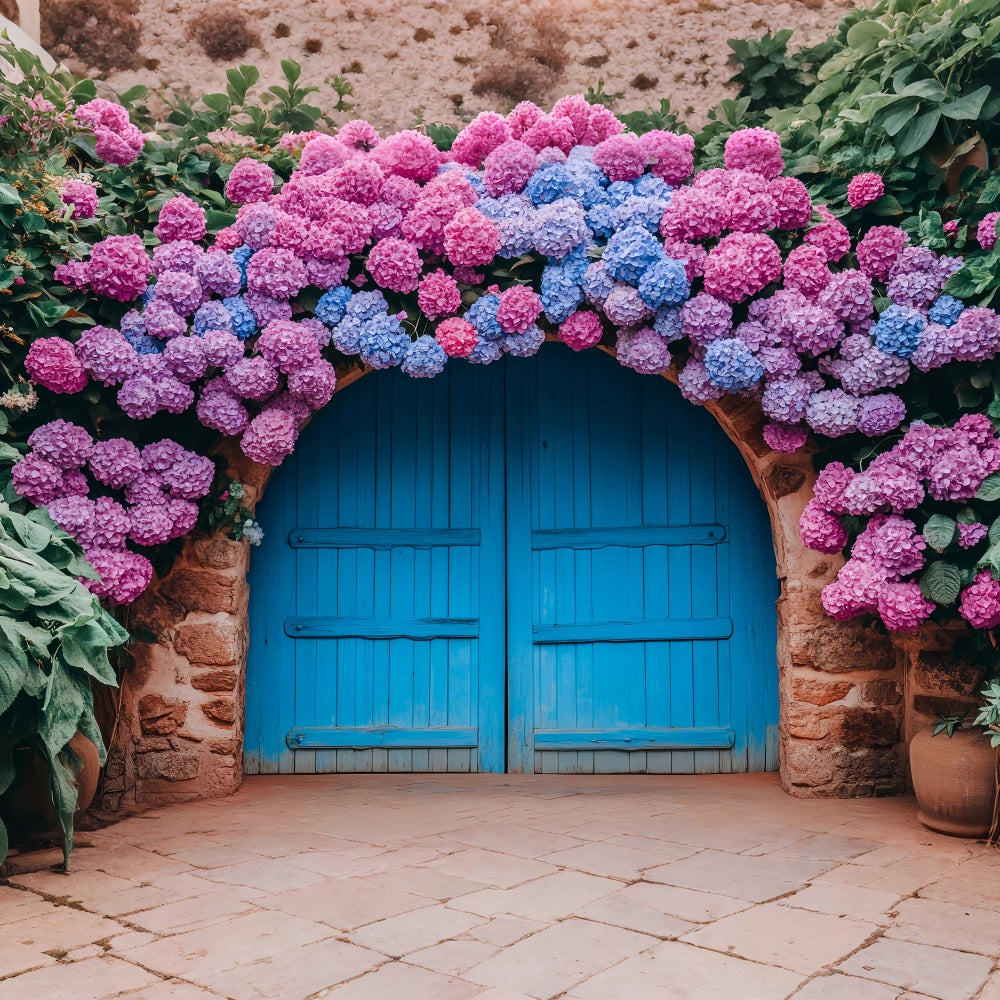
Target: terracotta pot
{"points": [[27, 804], [977, 156], [955, 780]]}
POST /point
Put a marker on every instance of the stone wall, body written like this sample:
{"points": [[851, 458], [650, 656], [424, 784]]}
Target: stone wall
{"points": [[849, 697]]}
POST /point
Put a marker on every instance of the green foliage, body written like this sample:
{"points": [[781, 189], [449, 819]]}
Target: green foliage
{"points": [[663, 117], [54, 641], [226, 509], [989, 713], [598, 95]]}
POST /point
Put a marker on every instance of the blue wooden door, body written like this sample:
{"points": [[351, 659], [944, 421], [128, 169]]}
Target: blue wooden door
{"points": [[377, 598], [552, 565], [641, 579]]}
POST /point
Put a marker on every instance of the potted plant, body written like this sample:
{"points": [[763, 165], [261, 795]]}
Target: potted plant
{"points": [[54, 641]]}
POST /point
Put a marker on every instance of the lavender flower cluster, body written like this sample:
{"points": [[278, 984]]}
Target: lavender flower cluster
{"points": [[947, 464], [145, 497]]}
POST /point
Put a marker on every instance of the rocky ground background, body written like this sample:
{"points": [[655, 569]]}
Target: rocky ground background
{"points": [[432, 60]]}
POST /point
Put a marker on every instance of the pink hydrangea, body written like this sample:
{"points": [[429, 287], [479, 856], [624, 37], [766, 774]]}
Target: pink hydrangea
{"points": [[830, 236], [108, 527], [785, 437], [470, 239], [439, 295], [222, 348], [621, 157], [806, 270], [902, 607], [253, 378], [670, 155], [53, 363], [124, 575], [741, 265], [276, 273], [555, 131], [81, 196], [270, 437], [855, 591], [756, 149], [115, 462], [106, 355], [519, 308], [150, 524], [65, 445], [643, 350], [75, 515], [181, 218], [395, 264], [190, 477], [118, 140], [592, 123], [485, 133], [220, 410], [863, 189], [185, 356], [893, 543], [408, 154], [322, 153], [970, 535], [456, 336], [820, 529], [36, 480], [249, 181], [509, 168], [119, 268], [878, 249], [986, 231], [980, 602], [287, 346], [793, 203], [581, 330], [314, 384]]}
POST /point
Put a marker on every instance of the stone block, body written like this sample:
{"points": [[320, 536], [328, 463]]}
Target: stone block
{"points": [[816, 689], [943, 674], [170, 765], [931, 706], [220, 679], [221, 710], [215, 644], [783, 479], [807, 764], [841, 648], [806, 722], [202, 590], [882, 693], [216, 552], [232, 748], [866, 727], [159, 717]]}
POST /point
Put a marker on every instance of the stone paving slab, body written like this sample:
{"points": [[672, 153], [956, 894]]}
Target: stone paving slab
{"points": [[508, 887]]}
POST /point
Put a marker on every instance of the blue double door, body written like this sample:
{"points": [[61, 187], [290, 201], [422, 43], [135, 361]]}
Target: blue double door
{"points": [[554, 565]]}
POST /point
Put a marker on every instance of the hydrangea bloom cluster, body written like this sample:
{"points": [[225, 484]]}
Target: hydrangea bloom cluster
{"points": [[109, 493], [944, 464]]}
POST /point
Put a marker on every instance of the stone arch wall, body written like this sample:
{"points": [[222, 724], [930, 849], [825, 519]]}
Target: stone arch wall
{"points": [[841, 687]]}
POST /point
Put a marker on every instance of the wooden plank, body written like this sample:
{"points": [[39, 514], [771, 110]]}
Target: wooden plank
{"points": [[635, 739], [629, 537], [326, 627], [387, 737], [667, 629], [381, 538]]}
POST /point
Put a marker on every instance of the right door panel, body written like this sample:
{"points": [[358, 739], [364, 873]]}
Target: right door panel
{"points": [[641, 585]]}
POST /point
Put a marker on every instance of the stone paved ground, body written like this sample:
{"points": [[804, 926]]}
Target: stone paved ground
{"points": [[503, 887]]}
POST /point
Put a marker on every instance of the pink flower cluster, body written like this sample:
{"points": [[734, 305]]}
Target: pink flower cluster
{"points": [[118, 140], [145, 497], [941, 463]]}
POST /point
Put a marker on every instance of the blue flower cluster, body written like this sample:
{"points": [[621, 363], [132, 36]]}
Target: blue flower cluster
{"points": [[898, 330]]}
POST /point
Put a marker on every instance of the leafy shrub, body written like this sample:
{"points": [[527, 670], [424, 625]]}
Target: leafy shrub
{"points": [[103, 34], [223, 31]]}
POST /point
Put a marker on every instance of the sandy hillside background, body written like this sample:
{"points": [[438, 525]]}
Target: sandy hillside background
{"points": [[445, 62]]}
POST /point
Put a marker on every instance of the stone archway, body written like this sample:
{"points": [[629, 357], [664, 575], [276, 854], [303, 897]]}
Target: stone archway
{"points": [[841, 690]]}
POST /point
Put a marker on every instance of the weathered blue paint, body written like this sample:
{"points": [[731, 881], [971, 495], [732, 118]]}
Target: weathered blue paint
{"points": [[552, 564]]}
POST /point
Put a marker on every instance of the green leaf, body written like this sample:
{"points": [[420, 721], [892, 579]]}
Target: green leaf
{"points": [[939, 531], [918, 133], [995, 532], [8, 195], [966, 107], [941, 582], [990, 488]]}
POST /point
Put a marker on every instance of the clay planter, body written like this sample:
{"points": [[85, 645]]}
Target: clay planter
{"points": [[955, 780], [27, 804]]}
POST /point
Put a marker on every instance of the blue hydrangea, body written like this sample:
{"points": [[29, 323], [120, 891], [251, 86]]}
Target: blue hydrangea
{"points": [[482, 315], [517, 233], [244, 321], [476, 180], [346, 335], [645, 212], [624, 307], [651, 186], [486, 352], [588, 182], [667, 323], [144, 343], [561, 227], [600, 219], [597, 282], [629, 252], [524, 345], [575, 263], [333, 305], [560, 291], [548, 183], [383, 342], [241, 257], [424, 358], [731, 365], [898, 331], [946, 310], [664, 283], [367, 305], [213, 315], [618, 192], [132, 323]]}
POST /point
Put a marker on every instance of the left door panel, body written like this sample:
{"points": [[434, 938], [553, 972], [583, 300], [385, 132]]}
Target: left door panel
{"points": [[377, 624]]}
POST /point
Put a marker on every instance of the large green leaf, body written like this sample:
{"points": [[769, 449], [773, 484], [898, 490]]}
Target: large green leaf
{"points": [[941, 582], [989, 490], [918, 133], [939, 531]]}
